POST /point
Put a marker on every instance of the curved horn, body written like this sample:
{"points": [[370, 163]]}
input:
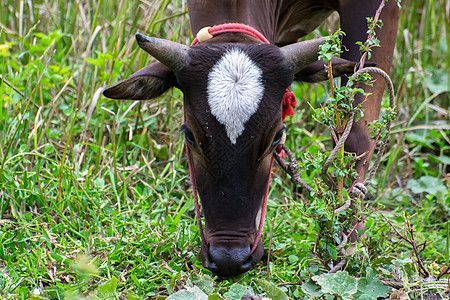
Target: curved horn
{"points": [[173, 55], [300, 55]]}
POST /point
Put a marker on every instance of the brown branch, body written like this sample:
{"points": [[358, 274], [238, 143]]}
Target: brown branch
{"points": [[444, 271], [292, 167], [422, 270], [423, 245]]}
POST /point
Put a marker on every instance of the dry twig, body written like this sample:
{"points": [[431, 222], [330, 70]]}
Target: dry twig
{"points": [[409, 229]]}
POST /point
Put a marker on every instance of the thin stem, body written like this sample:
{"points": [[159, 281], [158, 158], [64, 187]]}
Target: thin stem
{"points": [[371, 34]]}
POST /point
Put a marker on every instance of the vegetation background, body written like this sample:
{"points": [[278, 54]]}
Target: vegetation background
{"points": [[95, 195]]}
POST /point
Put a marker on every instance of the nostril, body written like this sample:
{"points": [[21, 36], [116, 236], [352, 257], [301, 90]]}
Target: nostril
{"points": [[248, 263], [211, 263]]}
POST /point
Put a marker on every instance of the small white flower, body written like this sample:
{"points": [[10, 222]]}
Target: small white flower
{"points": [[36, 292]]}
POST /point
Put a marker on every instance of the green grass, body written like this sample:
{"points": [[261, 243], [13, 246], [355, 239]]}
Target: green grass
{"points": [[95, 196]]}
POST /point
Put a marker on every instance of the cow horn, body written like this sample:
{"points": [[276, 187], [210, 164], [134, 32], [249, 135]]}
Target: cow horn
{"points": [[173, 55], [301, 54]]}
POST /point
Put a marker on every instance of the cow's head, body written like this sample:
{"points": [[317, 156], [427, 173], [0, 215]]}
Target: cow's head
{"points": [[232, 100]]}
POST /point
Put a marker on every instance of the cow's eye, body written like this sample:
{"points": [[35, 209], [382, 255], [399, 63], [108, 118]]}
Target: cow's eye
{"points": [[279, 137], [188, 135]]}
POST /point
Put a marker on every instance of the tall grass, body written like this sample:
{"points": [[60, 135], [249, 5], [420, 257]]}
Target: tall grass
{"points": [[94, 193]]}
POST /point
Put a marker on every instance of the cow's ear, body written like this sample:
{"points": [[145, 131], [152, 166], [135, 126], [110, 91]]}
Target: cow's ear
{"points": [[147, 83], [316, 71]]}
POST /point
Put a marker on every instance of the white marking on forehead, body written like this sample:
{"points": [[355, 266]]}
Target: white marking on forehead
{"points": [[234, 91]]}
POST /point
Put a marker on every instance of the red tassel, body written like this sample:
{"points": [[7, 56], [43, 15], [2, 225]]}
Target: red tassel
{"points": [[289, 102]]}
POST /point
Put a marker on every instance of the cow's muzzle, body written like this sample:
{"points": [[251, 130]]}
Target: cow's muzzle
{"points": [[226, 261]]}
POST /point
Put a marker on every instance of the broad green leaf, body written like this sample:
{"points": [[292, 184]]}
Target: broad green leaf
{"points": [[428, 184], [401, 262], [406, 264], [193, 293], [206, 284], [439, 81], [236, 292], [415, 138], [339, 284], [382, 261], [272, 291], [332, 251], [371, 287], [444, 159], [360, 296], [292, 259], [312, 289], [132, 296], [110, 287]]}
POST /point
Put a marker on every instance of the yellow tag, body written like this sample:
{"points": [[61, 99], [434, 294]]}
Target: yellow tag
{"points": [[203, 35], [283, 138]]}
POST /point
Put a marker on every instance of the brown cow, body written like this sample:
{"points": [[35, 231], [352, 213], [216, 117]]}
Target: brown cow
{"points": [[233, 85]]}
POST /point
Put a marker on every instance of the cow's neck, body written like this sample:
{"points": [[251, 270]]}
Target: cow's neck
{"points": [[282, 22], [255, 13]]}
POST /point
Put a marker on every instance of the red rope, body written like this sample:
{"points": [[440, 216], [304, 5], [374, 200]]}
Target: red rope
{"points": [[197, 205], [233, 28], [263, 212]]}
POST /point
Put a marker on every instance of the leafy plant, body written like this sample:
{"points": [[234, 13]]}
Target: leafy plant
{"points": [[328, 205]]}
